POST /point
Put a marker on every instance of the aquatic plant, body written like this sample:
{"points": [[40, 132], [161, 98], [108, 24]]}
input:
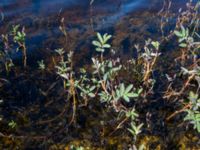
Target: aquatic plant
{"points": [[41, 65], [101, 44], [6, 61], [103, 84], [106, 73], [134, 129], [19, 37], [12, 124], [188, 39], [72, 147], [193, 111], [5, 58], [149, 58]]}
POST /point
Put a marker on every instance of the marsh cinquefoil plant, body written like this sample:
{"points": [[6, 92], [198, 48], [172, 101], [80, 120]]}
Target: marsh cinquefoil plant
{"points": [[149, 58], [64, 68], [19, 38], [186, 39], [103, 82], [134, 128], [72, 147], [5, 58], [112, 91], [6, 61], [193, 112], [105, 75], [41, 65], [12, 124]]}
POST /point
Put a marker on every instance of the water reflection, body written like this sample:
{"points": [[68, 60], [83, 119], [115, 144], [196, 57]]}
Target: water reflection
{"points": [[41, 17]]}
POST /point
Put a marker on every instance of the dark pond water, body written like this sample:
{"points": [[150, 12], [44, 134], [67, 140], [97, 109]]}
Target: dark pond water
{"points": [[41, 19]]}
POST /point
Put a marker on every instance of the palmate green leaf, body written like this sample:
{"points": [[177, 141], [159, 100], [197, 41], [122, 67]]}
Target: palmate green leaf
{"points": [[180, 40], [183, 31], [100, 38], [116, 68], [106, 37], [183, 45], [135, 130], [133, 95], [131, 131], [118, 94], [198, 127], [100, 50], [138, 129], [82, 89], [96, 43], [106, 46], [193, 97], [104, 97], [141, 147], [12, 124], [126, 98], [155, 44], [128, 89], [15, 29], [19, 34], [122, 89], [92, 95], [187, 32], [196, 124], [140, 91], [105, 76], [178, 34], [92, 88], [110, 65]]}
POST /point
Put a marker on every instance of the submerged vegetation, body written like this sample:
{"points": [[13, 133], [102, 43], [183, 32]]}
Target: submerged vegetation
{"points": [[107, 99]]}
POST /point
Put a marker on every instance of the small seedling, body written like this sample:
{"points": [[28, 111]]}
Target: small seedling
{"points": [[41, 65], [12, 124]]}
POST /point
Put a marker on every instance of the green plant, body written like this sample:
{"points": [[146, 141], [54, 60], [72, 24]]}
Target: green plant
{"points": [[64, 68], [19, 38], [127, 93], [41, 65], [183, 36], [72, 147], [12, 124], [6, 61], [187, 39], [5, 58], [102, 83], [193, 112], [113, 91], [149, 58], [105, 75], [134, 128], [101, 44]]}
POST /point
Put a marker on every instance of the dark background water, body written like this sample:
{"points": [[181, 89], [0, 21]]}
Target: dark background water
{"points": [[41, 19]]}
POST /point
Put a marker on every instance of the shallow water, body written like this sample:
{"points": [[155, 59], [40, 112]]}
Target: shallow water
{"points": [[42, 18]]}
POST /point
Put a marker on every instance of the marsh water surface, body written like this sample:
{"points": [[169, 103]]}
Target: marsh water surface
{"points": [[41, 19]]}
